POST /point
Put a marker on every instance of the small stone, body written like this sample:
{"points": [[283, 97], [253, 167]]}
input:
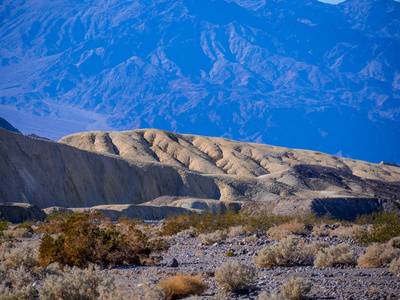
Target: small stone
{"points": [[173, 263]]}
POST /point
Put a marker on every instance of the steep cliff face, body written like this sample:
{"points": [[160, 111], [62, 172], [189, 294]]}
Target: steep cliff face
{"points": [[298, 74], [51, 174]]}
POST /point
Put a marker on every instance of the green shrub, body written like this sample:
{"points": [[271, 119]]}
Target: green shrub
{"points": [[385, 226], [175, 224], [86, 238]]}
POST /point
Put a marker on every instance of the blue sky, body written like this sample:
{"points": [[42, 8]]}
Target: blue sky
{"points": [[338, 1]]}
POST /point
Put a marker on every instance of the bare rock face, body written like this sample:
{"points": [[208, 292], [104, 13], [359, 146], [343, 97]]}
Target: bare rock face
{"points": [[19, 212], [48, 174], [136, 168]]}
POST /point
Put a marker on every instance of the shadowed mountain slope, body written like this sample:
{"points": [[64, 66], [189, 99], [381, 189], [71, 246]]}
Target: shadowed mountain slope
{"points": [[300, 74]]}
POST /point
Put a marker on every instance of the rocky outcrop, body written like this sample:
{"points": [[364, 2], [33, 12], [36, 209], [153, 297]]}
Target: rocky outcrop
{"points": [[113, 212], [19, 212], [188, 172], [48, 174]]}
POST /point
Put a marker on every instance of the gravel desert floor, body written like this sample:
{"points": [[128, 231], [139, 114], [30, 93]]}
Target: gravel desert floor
{"points": [[189, 255], [327, 283]]}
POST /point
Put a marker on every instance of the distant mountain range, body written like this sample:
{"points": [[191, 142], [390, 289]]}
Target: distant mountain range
{"points": [[300, 74]]}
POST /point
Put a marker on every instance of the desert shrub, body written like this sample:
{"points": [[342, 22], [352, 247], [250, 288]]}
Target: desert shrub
{"points": [[16, 284], [53, 223], [277, 234], [394, 243], [296, 288], [321, 230], [294, 226], [16, 233], [385, 226], [318, 246], [290, 251], [75, 283], [236, 276], [175, 224], [237, 231], [27, 225], [230, 253], [191, 231], [25, 257], [83, 240], [182, 285], [3, 224], [377, 255], [269, 296], [158, 244], [345, 232], [251, 238], [340, 255], [214, 237], [395, 266]]}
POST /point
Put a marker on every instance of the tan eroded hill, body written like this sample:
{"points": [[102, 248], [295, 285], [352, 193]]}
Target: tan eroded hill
{"points": [[285, 179], [140, 166]]}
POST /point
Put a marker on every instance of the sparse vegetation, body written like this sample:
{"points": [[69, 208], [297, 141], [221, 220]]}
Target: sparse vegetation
{"points": [[182, 285], [385, 226], [345, 232], [290, 251], [378, 255], [85, 238], [296, 289], [395, 266], [340, 255], [236, 276], [214, 237], [292, 227], [75, 283]]}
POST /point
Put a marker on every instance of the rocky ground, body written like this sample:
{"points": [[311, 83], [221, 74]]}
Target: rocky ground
{"points": [[194, 257], [327, 283]]}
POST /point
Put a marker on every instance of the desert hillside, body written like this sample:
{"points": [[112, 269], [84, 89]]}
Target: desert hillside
{"points": [[193, 172]]}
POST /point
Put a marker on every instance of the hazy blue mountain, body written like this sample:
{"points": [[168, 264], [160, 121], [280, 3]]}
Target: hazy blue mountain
{"points": [[301, 74]]}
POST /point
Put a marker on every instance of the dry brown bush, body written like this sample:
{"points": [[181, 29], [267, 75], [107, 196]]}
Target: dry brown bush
{"points": [[182, 285], [76, 283], [283, 230], [237, 231], [214, 237], [394, 242], [15, 257], [290, 251], [251, 238], [16, 284], [377, 255], [190, 231], [321, 230], [17, 233], [395, 266], [269, 296], [296, 289], [345, 232], [340, 255], [236, 276]]}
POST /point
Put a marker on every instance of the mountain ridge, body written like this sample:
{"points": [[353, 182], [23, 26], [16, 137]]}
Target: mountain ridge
{"points": [[303, 76]]}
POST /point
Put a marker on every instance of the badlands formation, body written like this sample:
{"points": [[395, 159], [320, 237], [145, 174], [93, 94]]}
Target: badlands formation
{"points": [[151, 173]]}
